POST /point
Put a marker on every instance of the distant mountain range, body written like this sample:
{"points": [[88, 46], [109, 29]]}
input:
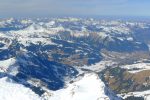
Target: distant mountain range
{"points": [[55, 57]]}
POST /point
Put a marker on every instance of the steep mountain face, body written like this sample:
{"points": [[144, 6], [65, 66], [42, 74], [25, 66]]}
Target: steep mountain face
{"points": [[50, 56]]}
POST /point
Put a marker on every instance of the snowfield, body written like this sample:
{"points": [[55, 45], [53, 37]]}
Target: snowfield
{"points": [[145, 94], [13, 91], [90, 87], [138, 66], [5, 64]]}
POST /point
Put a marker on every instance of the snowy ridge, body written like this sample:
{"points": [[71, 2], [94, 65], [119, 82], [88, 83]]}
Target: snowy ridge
{"points": [[90, 87]]}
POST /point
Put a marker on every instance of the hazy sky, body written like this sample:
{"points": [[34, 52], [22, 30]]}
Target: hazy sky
{"points": [[41, 8]]}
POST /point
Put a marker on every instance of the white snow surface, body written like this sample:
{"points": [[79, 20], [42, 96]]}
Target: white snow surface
{"points": [[145, 94], [5, 64], [13, 91], [139, 66], [97, 67], [90, 87]]}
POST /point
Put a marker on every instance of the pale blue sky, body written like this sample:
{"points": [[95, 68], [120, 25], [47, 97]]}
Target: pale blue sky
{"points": [[45, 8]]}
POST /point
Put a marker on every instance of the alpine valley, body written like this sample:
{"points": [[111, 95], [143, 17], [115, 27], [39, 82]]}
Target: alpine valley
{"points": [[74, 59]]}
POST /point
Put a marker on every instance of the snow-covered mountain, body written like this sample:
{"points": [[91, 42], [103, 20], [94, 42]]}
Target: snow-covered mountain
{"points": [[74, 59]]}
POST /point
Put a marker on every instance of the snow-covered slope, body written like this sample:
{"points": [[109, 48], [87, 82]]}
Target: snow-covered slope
{"points": [[13, 91], [90, 87], [144, 94], [5, 64], [138, 67]]}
